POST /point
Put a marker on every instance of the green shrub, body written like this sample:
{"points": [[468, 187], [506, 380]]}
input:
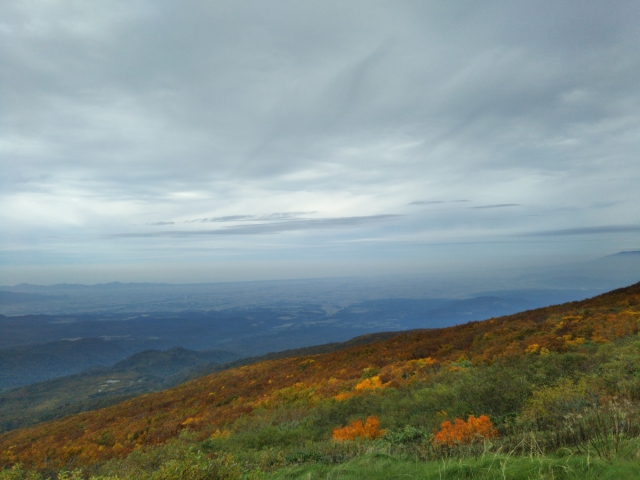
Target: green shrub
{"points": [[17, 472]]}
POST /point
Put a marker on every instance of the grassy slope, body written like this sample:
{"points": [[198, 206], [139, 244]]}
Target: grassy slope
{"points": [[218, 401], [498, 467], [143, 372]]}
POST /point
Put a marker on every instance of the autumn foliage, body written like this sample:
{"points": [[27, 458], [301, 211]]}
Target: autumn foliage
{"points": [[463, 433], [369, 429], [213, 403]]}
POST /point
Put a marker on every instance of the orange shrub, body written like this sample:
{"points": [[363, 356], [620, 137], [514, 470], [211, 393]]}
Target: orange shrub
{"points": [[369, 429], [372, 383], [461, 432]]}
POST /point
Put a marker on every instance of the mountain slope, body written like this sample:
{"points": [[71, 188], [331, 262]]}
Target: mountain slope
{"points": [[143, 372], [99, 387], [26, 364], [208, 405]]}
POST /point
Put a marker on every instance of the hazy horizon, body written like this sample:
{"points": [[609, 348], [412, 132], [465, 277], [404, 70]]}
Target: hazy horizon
{"points": [[451, 277], [145, 141]]}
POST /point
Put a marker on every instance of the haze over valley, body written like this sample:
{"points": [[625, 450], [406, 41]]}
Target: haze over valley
{"points": [[52, 331]]}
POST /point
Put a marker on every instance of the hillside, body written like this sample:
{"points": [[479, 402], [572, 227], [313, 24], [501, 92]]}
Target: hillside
{"points": [[526, 372], [143, 372], [25, 364], [98, 387]]}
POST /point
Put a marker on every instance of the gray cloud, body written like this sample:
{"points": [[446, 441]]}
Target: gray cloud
{"points": [[434, 202], [251, 218], [144, 113], [497, 205], [227, 218], [424, 202], [270, 228], [607, 229]]}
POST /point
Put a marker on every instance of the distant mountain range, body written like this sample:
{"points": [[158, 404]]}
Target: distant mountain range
{"points": [[596, 276]]}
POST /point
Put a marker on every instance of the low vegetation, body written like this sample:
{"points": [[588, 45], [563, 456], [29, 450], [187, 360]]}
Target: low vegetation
{"points": [[549, 393], [141, 373]]}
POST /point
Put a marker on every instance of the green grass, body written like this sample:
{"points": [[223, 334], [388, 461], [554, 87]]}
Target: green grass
{"points": [[562, 416], [375, 466], [498, 467]]}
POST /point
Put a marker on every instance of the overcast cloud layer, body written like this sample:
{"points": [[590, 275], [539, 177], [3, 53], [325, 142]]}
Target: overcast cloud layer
{"points": [[202, 140]]}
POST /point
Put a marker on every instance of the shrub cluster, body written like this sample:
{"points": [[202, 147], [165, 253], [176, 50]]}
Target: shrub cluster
{"points": [[461, 432], [357, 429]]}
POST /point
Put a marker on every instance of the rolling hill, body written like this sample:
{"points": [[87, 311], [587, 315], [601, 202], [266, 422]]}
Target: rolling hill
{"points": [[504, 368], [143, 372], [22, 365], [99, 387]]}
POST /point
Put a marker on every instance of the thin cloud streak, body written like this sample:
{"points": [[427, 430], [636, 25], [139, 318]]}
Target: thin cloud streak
{"points": [[423, 202], [607, 229], [499, 205], [228, 218], [268, 228], [250, 218], [435, 202]]}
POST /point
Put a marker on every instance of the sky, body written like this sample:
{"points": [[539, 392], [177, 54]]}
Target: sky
{"points": [[192, 141]]}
